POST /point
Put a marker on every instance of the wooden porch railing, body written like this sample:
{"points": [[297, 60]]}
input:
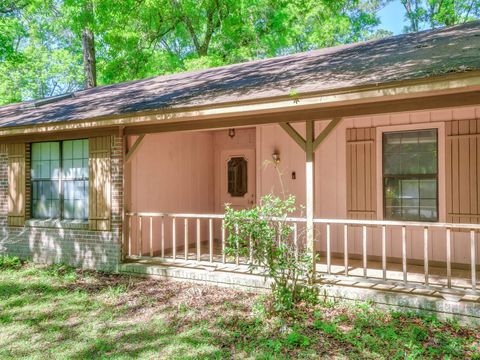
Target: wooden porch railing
{"points": [[202, 238]]}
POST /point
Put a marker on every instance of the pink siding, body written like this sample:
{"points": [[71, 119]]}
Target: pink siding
{"points": [[330, 179]]}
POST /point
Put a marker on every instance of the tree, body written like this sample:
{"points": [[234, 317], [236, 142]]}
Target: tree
{"points": [[430, 14], [88, 46]]}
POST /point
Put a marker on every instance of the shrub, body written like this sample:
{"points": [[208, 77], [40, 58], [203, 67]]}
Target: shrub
{"points": [[10, 262], [264, 235]]}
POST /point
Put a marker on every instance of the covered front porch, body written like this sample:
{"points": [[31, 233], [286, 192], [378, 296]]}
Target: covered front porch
{"points": [[177, 183]]}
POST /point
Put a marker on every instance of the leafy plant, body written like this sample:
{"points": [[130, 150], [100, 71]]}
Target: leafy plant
{"points": [[264, 236], [10, 262]]}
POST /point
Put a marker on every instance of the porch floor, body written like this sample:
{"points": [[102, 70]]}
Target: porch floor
{"points": [[460, 277]]}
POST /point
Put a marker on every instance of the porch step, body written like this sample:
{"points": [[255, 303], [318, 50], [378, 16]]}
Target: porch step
{"points": [[465, 309]]}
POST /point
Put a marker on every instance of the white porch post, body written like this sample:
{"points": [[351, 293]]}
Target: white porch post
{"points": [[310, 187], [309, 144]]}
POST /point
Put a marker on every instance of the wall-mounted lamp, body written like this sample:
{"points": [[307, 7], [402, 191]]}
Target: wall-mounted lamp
{"points": [[231, 133], [276, 157]]}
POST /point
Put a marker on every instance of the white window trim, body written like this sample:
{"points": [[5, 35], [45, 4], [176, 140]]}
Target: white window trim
{"points": [[440, 126]]}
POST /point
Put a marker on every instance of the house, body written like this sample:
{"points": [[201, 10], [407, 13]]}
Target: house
{"points": [[380, 141]]}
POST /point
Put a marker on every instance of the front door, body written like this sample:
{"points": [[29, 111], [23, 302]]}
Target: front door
{"points": [[237, 178]]}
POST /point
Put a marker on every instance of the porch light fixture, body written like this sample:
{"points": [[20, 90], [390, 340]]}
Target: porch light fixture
{"points": [[231, 133], [276, 157]]}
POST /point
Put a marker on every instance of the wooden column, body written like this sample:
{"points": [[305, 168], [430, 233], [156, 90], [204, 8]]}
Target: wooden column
{"points": [[310, 186], [309, 145]]}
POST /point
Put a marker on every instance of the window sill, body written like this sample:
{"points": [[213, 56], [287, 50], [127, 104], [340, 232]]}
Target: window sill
{"points": [[59, 224]]}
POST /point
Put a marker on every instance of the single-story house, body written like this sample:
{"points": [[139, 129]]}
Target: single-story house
{"points": [[379, 141]]}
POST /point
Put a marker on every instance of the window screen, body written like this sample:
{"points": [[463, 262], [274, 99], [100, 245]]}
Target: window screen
{"points": [[59, 172], [410, 175]]}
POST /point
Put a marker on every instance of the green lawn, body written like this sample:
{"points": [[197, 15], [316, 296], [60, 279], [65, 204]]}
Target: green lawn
{"points": [[57, 312]]}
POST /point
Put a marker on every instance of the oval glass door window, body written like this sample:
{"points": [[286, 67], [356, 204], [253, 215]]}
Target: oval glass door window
{"points": [[237, 176]]}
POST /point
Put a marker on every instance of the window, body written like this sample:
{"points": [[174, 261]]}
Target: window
{"points": [[59, 173], [410, 175], [237, 176]]}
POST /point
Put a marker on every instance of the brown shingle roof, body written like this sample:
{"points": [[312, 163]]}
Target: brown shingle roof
{"points": [[403, 57]]}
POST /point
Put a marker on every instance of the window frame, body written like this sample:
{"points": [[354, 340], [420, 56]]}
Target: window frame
{"points": [[435, 177], [61, 186]]}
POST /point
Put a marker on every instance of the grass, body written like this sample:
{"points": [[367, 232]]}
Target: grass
{"points": [[57, 312]]}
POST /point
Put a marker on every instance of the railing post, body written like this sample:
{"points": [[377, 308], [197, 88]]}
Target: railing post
{"points": [[223, 242], [210, 238], [364, 243], [295, 239], [345, 248], [237, 256], [162, 230], [329, 260], [449, 258], [384, 253], [199, 244], [185, 245], [473, 257], [140, 237], [151, 237], [425, 254], [130, 236], [404, 254], [174, 238]]}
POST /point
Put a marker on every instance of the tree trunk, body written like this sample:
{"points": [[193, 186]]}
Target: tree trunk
{"points": [[89, 61]]}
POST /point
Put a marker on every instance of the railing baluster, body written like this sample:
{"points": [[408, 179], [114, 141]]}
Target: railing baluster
{"points": [[130, 236], [425, 254], [223, 242], [449, 258], [295, 239], [404, 254], [140, 237], [186, 238], [364, 242], [345, 248], [384, 253], [210, 238], [174, 238], [162, 230], [250, 250], [473, 256], [329, 260], [199, 254], [151, 237], [237, 256]]}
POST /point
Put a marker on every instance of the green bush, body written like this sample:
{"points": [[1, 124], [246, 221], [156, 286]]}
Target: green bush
{"points": [[10, 262], [263, 234]]}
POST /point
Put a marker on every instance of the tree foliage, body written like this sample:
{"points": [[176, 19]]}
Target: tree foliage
{"points": [[429, 14], [41, 40]]}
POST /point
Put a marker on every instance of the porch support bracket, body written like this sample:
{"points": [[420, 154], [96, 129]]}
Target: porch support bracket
{"points": [[294, 134], [134, 148]]}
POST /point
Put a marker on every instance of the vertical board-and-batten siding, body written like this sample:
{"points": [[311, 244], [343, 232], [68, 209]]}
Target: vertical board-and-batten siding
{"points": [[100, 183], [16, 184], [463, 171], [361, 169]]}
